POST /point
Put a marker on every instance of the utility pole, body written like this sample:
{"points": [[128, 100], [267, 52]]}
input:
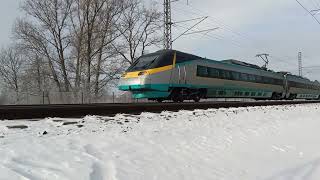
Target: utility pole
{"points": [[168, 40], [167, 25], [265, 58], [300, 63]]}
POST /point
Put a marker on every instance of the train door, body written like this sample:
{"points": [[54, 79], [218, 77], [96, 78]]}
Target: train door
{"points": [[183, 71], [179, 75], [286, 87]]}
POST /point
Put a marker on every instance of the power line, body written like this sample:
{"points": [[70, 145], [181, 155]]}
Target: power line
{"points": [[308, 12], [215, 37], [218, 21], [168, 24], [191, 12], [194, 19], [190, 28], [315, 3], [233, 41], [282, 60], [315, 12], [265, 58], [311, 67], [202, 31], [224, 26]]}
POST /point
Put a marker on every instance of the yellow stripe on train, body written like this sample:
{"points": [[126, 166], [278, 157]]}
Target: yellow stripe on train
{"points": [[151, 71], [147, 72]]}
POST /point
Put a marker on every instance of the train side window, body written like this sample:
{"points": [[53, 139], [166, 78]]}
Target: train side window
{"points": [[266, 80], [252, 78], [293, 84], [258, 79], [231, 75], [227, 75], [221, 93], [202, 71], [279, 82], [236, 75], [244, 77], [214, 73], [221, 74], [272, 81]]}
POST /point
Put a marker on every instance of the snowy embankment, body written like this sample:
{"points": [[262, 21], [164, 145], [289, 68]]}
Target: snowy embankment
{"points": [[257, 143]]}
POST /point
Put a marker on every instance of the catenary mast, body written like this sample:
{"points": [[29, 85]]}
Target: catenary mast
{"points": [[167, 25]]}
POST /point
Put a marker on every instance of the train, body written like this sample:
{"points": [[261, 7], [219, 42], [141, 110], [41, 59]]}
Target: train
{"points": [[177, 76]]}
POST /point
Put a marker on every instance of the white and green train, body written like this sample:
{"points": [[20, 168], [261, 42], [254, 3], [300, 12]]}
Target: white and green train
{"points": [[178, 76]]}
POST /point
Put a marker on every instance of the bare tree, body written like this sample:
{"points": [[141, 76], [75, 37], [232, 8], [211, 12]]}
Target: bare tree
{"points": [[11, 69], [51, 17], [104, 53], [33, 40], [77, 45], [93, 24], [139, 28]]}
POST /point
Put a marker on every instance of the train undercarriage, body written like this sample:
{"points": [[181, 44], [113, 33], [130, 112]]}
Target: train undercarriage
{"points": [[183, 94]]}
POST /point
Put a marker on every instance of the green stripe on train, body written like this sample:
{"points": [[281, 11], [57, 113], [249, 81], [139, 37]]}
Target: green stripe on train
{"points": [[162, 91]]}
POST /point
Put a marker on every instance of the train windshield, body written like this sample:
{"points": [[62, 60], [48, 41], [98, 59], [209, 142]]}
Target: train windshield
{"points": [[151, 61], [143, 63]]}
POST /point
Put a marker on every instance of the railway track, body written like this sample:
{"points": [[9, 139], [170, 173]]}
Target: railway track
{"points": [[77, 111]]}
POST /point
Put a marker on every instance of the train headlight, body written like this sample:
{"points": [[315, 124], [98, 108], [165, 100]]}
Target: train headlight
{"points": [[142, 73]]}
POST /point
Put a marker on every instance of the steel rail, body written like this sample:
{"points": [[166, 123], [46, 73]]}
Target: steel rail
{"points": [[28, 112]]}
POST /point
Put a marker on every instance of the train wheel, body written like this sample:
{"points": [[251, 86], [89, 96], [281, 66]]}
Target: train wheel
{"points": [[275, 96], [292, 97], [177, 99], [196, 98], [159, 100], [177, 96]]}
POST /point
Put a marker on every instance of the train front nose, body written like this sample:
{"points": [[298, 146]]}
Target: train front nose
{"points": [[137, 83]]}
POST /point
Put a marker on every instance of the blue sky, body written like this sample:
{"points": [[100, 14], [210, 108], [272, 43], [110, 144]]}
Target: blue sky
{"points": [[247, 27]]}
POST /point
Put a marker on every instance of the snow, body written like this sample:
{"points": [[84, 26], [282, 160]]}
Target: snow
{"points": [[254, 143]]}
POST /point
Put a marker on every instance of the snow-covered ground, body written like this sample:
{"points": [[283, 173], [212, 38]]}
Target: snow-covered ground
{"points": [[256, 143]]}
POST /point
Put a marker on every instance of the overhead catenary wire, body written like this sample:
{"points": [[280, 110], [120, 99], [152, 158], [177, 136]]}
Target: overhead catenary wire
{"points": [[315, 3], [315, 12], [315, 18], [233, 41], [220, 26], [235, 35], [289, 61], [202, 31], [183, 21], [215, 37], [218, 21], [311, 67], [190, 28]]}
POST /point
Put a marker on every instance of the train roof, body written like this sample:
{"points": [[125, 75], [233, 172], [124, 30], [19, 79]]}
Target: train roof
{"points": [[240, 63], [178, 52]]}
